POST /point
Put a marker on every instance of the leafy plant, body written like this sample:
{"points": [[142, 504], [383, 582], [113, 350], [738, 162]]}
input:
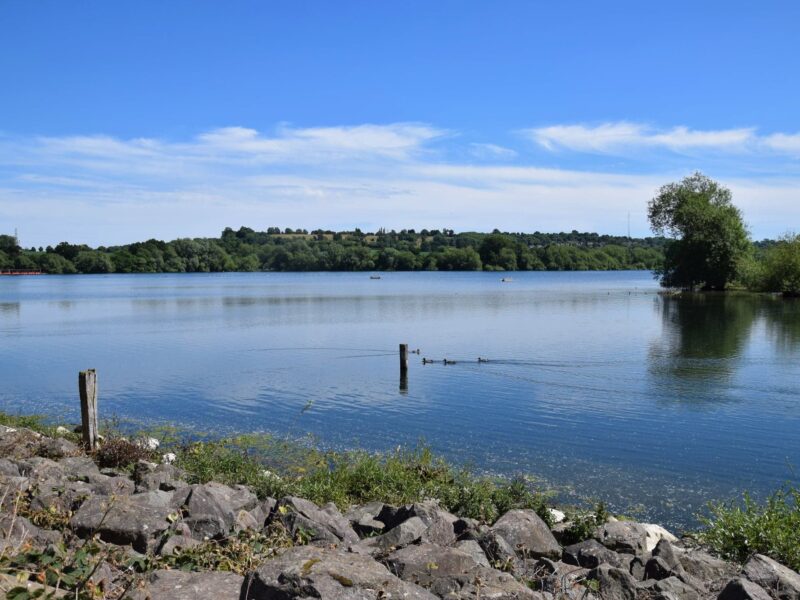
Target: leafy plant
{"points": [[738, 529]]}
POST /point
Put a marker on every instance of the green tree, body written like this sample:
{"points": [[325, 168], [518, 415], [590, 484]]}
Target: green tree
{"points": [[780, 269], [709, 240]]}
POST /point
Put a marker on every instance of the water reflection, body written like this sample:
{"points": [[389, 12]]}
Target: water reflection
{"points": [[9, 308], [703, 335], [782, 320]]}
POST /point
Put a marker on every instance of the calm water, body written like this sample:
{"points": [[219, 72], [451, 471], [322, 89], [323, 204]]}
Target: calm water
{"points": [[596, 383]]}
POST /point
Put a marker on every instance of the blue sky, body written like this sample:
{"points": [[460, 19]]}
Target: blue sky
{"points": [[124, 120]]}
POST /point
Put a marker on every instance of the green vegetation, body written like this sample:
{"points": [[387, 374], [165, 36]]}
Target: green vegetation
{"points": [[738, 529], [299, 250], [709, 241], [400, 477], [777, 268]]}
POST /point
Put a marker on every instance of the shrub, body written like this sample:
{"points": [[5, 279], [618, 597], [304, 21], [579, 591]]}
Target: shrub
{"points": [[738, 529], [119, 453]]}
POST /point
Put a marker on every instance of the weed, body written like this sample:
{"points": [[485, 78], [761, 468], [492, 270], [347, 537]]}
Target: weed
{"points": [[738, 529]]}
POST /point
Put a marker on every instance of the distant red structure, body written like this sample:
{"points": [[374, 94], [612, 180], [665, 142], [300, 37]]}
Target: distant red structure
{"points": [[20, 272]]}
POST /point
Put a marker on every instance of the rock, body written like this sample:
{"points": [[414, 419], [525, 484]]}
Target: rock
{"points": [[675, 588], [657, 568], [590, 554], [148, 443], [446, 571], [245, 521], [703, 566], [636, 568], [9, 468], [175, 542], [364, 518], [556, 577], [402, 535], [210, 509], [623, 536], [525, 531], [38, 468], [180, 585], [168, 458], [311, 572], [614, 584], [654, 534], [474, 550], [81, 468], [323, 524], [149, 477], [138, 520], [497, 549], [18, 443], [781, 581], [57, 448], [16, 531], [61, 430], [556, 515], [743, 589], [32, 589]]}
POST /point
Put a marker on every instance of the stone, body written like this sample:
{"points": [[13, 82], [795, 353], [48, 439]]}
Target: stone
{"points": [[181, 585], [9, 468], [18, 443], [497, 549], [176, 542], [149, 477], [657, 568], [58, 448], [312, 572], [323, 524], [555, 577], [364, 518], [676, 588], [781, 581], [556, 515], [743, 589], [654, 534], [210, 509], [402, 535], [474, 550], [137, 520], [38, 468], [16, 531], [590, 554], [445, 571], [614, 584], [528, 534], [623, 536]]}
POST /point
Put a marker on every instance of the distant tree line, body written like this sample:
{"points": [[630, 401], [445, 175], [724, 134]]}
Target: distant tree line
{"points": [[298, 250]]}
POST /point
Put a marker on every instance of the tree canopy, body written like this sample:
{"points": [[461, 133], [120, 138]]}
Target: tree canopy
{"points": [[279, 249], [709, 240]]}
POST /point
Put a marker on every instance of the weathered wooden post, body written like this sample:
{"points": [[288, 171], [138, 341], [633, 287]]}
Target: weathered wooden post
{"points": [[403, 360], [87, 386]]}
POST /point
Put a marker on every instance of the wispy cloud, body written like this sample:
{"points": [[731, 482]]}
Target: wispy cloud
{"points": [[624, 136], [103, 190]]}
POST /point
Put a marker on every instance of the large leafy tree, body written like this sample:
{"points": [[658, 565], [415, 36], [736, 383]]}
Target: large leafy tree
{"points": [[709, 240]]}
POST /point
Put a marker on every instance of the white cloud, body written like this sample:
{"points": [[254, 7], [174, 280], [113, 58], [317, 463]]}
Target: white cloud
{"points": [[622, 136], [104, 190], [491, 151], [782, 142]]}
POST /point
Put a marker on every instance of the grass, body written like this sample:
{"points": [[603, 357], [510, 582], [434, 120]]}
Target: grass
{"points": [[274, 468], [738, 529]]}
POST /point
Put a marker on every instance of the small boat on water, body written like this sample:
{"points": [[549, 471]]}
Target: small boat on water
{"points": [[506, 280], [374, 276]]}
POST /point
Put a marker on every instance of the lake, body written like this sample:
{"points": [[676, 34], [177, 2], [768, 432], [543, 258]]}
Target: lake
{"points": [[596, 383]]}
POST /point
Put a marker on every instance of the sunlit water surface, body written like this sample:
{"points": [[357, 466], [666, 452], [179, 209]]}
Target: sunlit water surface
{"points": [[595, 382]]}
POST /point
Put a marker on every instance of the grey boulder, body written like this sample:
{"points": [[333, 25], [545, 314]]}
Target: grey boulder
{"points": [[312, 572], [528, 534], [743, 589], [180, 585], [782, 582]]}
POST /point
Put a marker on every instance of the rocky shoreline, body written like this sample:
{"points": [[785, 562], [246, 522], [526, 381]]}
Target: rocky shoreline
{"points": [[71, 529]]}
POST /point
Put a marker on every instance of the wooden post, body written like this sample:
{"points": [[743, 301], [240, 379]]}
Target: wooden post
{"points": [[87, 386], [403, 360]]}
